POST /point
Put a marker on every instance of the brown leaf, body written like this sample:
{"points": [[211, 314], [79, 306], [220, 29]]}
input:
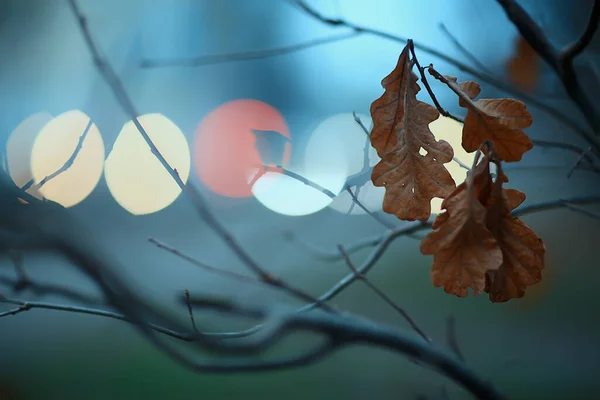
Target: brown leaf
{"points": [[463, 249], [498, 120], [400, 132], [523, 69], [522, 250]]}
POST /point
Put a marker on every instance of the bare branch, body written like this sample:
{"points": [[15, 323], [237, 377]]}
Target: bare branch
{"points": [[470, 56], [570, 52], [360, 123], [41, 289], [582, 210], [426, 84], [300, 178], [272, 282], [244, 55], [366, 210], [560, 62], [67, 163], [382, 294], [568, 147], [339, 331], [190, 310], [578, 161], [195, 261]]}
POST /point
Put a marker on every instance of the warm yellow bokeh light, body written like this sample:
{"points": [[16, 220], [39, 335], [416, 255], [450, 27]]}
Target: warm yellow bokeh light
{"points": [[19, 147], [447, 129], [54, 145], [135, 177]]}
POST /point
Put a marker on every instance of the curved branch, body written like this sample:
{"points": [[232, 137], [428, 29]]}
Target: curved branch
{"points": [[560, 62]]}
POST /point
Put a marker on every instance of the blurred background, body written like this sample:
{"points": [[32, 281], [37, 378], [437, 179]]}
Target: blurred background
{"points": [[203, 113]]}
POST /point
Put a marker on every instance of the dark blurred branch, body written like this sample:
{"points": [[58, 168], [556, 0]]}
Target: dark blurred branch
{"points": [[451, 338], [244, 55], [339, 332], [561, 61], [45, 289]]}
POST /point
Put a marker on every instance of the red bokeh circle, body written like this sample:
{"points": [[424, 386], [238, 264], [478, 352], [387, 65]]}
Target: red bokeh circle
{"points": [[224, 149]]}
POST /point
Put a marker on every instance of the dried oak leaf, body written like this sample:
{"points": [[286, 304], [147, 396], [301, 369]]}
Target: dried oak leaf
{"points": [[463, 248], [497, 120], [523, 251], [523, 68], [400, 132]]}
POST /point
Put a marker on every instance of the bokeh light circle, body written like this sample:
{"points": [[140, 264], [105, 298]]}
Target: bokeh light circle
{"points": [[19, 147], [288, 196], [338, 144], [54, 145], [135, 177], [445, 128], [226, 146]]}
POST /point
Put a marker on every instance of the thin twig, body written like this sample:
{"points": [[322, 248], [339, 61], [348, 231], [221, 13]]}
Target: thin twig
{"points": [[582, 210], [30, 305], [299, 178], [190, 310], [373, 215], [360, 123], [382, 294], [578, 161], [245, 55], [464, 50], [67, 163], [273, 282], [13, 311], [41, 289], [426, 84], [566, 146], [198, 263]]}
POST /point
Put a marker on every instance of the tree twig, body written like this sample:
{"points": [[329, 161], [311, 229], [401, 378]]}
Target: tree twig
{"points": [[274, 282], [382, 294], [67, 163], [464, 50], [245, 55]]}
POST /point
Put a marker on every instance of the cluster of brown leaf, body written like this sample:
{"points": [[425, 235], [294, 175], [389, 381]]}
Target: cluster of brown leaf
{"points": [[476, 243]]}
